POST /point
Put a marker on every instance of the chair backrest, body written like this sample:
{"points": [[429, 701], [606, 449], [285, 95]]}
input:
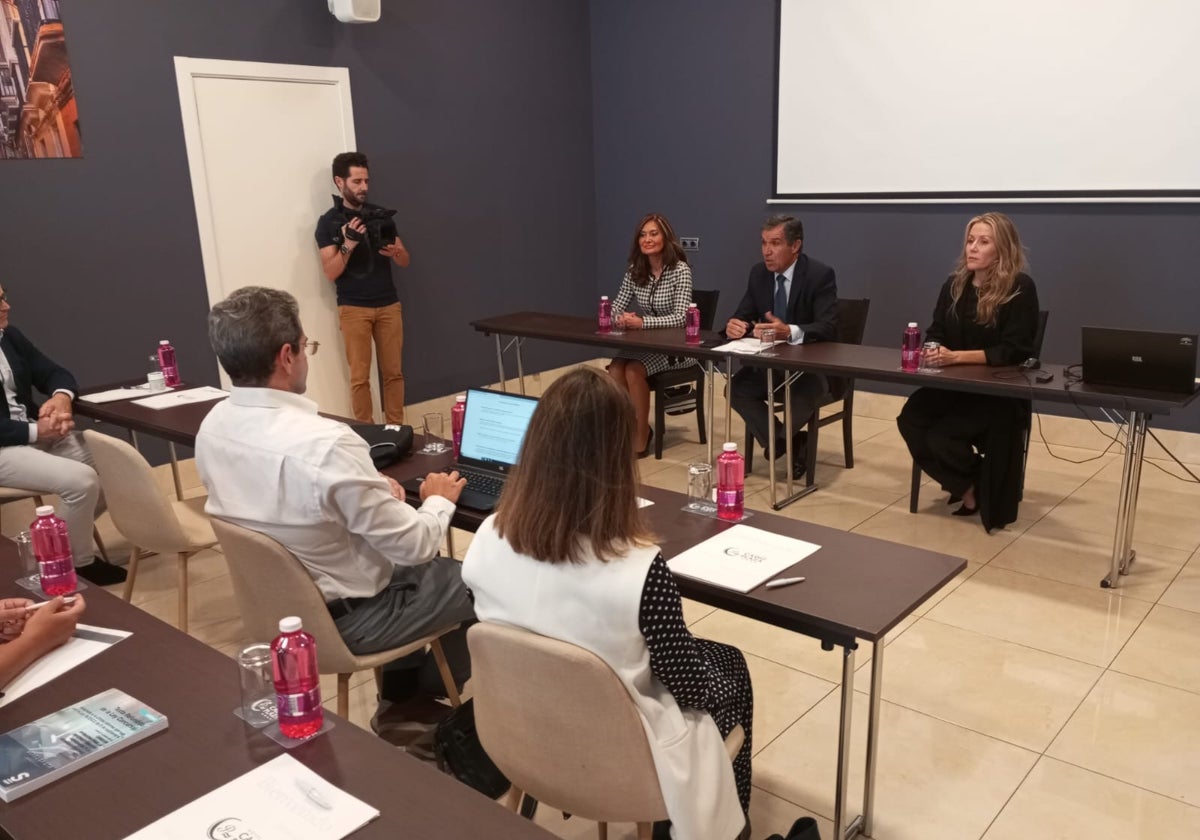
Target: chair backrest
{"points": [[851, 327], [562, 726], [136, 504], [706, 302], [1040, 335], [270, 583]]}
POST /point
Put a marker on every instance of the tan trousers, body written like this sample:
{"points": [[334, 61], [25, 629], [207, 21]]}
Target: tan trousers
{"points": [[360, 325]]}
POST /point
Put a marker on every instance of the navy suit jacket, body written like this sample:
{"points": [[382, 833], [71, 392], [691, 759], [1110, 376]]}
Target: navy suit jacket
{"points": [[812, 304], [31, 369]]}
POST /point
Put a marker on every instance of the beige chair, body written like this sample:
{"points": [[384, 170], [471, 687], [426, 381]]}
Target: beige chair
{"points": [[561, 725], [270, 583], [152, 523]]}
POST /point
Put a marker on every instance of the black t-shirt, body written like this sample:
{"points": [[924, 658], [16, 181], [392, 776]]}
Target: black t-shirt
{"points": [[367, 280]]}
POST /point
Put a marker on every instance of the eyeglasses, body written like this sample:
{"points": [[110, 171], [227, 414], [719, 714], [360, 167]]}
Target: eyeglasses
{"points": [[310, 346], [3, 297]]}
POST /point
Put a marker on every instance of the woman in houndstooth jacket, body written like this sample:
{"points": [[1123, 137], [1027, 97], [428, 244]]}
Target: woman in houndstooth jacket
{"points": [[655, 293]]}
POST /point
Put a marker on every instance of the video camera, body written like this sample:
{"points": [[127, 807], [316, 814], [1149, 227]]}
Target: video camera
{"points": [[375, 218]]}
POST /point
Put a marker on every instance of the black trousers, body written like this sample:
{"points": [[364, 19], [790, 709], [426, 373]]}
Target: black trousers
{"points": [[943, 428], [748, 397]]}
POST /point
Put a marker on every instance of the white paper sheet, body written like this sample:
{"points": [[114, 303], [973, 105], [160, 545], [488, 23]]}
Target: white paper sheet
{"points": [[744, 346], [281, 800], [116, 394], [644, 502], [86, 643], [188, 395], [741, 557]]}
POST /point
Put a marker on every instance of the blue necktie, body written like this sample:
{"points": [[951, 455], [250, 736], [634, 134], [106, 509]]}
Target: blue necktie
{"points": [[780, 298]]}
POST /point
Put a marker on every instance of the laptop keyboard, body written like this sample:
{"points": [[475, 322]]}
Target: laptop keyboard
{"points": [[481, 482]]}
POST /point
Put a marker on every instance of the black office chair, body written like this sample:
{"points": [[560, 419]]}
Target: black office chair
{"points": [[680, 391], [914, 494], [851, 326]]}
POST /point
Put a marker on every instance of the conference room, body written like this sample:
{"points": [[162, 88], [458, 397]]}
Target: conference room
{"points": [[520, 143]]}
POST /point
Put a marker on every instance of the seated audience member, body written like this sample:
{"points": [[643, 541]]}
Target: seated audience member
{"points": [[795, 296], [38, 449], [986, 314], [582, 567], [27, 635], [658, 284], [272, 464]]}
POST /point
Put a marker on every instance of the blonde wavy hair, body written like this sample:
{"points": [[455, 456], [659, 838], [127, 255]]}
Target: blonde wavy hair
{"points": [[996, 285]]}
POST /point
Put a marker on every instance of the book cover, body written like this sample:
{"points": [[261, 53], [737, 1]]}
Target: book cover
{"points": [[37, 753]]}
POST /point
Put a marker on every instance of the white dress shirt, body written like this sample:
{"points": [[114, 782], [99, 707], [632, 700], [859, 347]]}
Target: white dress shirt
{"points": [[795, 334], [272, 464]]}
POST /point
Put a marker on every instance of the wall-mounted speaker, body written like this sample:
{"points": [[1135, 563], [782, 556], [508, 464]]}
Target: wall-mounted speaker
{"points": [[355, 11]]}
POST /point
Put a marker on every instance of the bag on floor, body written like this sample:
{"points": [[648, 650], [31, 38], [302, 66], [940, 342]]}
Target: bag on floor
{"points": [[459, 753]]}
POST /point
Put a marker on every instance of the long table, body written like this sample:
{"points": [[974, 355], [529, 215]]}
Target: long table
{"points": [[881, 364], [206, 745]]}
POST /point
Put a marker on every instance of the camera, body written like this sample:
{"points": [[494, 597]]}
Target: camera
{"points": [[375, 219]]}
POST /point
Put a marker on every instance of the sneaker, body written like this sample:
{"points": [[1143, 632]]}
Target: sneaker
{"points": [[101, 573]]}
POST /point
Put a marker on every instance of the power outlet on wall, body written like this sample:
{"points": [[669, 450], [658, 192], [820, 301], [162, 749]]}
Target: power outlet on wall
{"points": [[690, 243]]}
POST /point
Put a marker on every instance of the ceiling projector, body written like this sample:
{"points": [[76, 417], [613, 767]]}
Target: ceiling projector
{"points": [[355, 11]]}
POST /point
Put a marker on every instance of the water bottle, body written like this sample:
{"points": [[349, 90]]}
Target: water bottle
{"points": [[604, 317], [731, 476], [297, 684], [52, 548], [457, 415], [692, 328], [910, 350], [166, 363]]}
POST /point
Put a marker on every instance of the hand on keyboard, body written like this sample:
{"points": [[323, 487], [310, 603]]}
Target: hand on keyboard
{"points": [[441, 484]]}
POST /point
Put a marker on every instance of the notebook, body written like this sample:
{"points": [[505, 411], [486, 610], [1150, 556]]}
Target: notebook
{"points": [[1141, 359]]}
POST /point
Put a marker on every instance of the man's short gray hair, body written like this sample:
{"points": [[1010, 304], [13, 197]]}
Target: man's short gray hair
{"points": [[793, 229], [247, 329]]}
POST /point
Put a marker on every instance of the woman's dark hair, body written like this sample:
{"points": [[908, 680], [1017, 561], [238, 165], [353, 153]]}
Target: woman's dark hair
{"points": [[672, 253]]}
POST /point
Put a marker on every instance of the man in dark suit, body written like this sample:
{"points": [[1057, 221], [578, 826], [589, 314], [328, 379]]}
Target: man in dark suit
{"points": [[796, 297], [38, 449]]}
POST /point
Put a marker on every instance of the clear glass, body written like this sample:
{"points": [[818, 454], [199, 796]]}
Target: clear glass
{"points": [[766, 339], [29, 564], [928, 365], [258, 689], [699, 488], [435, 435], [156, 381]]}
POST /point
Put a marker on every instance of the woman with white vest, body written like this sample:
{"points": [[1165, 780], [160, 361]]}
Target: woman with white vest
{"points": [[568, 555]]}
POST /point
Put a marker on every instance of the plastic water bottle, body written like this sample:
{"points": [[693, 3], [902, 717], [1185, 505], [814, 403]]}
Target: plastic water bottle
{"points": [[166, 363], [692, 328], [457, 415], [910, 350], [604, 316], [731, 477], [297, 683], [52, 548]]}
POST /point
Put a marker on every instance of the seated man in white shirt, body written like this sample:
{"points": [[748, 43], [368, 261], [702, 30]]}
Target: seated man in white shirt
{"points": [[271, 463]]}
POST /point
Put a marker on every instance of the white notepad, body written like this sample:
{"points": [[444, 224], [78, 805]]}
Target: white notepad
{"points": [[744, 346], [188, 395], [740, 558], [116, 394]]}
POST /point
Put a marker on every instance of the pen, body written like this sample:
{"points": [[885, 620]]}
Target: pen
{"points": [[68, 600], [313, 795], [778, 582]]}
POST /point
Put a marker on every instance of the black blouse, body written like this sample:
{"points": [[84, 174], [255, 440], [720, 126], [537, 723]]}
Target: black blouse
{"points": [[1008, 341]]}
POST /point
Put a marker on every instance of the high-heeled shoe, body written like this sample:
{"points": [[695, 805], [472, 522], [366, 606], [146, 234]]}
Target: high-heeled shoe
{"points": [[966, 511], [645, 453]]}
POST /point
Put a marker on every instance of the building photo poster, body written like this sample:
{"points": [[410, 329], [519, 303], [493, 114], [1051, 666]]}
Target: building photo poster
{"points": [[38, 115]]}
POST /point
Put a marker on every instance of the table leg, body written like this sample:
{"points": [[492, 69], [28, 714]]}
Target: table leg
{"points": [[868, 814], [500, 362], [770, 437], [711, 385], [843, 757], [520, 364], [792, 493], [175, 471], [1131, 474]]}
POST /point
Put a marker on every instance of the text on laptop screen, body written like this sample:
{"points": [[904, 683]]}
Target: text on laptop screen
{"points": [[494, 425]]}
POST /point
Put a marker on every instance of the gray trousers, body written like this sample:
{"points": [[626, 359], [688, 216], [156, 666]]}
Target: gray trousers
{"points": [[64, 468], [418, 601]]}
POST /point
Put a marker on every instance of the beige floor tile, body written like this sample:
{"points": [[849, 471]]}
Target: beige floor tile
{"points": [[769, 814], [1061, 802], [955, 535], [974, 774], [158, 574], [1164, 515], [1184, 592], [781, 696], [1138, 732], [693, 611], [883, 464], [1164, 649], [1082, 557], [1088, 625], [952, 584], [976, 682]]}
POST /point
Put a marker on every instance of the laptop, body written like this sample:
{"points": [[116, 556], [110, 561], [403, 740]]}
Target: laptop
{"points": [[494, 429], [1139, 359]]}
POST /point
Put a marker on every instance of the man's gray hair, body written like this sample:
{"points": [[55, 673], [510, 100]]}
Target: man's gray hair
{"points": [[247, 329], [793, 229]]}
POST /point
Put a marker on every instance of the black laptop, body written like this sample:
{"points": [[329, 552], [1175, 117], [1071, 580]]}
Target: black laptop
{"points": [[494, 429], [1140, 359]]}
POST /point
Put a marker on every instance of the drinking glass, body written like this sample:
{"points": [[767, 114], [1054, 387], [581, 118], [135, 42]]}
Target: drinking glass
{"points": [[766, 339], [700, 499], [927, 364], [258, 689], [29, 565], [435, 438]]}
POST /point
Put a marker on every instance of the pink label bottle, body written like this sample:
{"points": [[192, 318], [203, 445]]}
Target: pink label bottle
{"points": [[692, 325], [52, 548], [458, 415], [166, 363], [731, 477], [604, 315], [297, 682], [910, 350]]}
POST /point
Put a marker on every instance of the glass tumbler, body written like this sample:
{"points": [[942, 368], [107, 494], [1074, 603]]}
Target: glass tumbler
{"points": [[258, 689], [700, 497]]}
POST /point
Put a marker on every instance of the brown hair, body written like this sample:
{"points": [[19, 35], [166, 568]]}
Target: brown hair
{"points": [[672, 253], [577, 480], [996, 286]]}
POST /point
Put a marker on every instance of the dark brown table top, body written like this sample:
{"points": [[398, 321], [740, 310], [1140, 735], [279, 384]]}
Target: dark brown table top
{"points": [[575, 329], [177, 424], [205, 746]]}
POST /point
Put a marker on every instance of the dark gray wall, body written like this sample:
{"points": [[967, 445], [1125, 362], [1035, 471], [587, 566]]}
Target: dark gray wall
{"points": [[684, 117], [476, 116]]}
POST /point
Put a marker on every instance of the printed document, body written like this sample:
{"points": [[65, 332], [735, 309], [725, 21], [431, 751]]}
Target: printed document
{"points": [[741, 557], [743, 346], [187, 395], [86, 642]]}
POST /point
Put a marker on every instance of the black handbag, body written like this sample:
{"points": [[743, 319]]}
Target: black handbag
{"points": [[389, 444], [458, 752]]}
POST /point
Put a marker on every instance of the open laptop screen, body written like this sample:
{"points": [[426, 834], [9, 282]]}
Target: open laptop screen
{"points": [[494, 425]]}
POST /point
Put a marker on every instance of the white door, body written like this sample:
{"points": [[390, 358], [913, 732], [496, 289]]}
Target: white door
{"points": [[260, 140]]}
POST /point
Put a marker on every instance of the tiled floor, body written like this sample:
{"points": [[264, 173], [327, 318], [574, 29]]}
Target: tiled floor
{"points": [[1022, 702]]}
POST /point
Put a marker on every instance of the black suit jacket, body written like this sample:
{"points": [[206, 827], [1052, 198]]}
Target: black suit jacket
{"points": [[31, 369], [812, 304]]}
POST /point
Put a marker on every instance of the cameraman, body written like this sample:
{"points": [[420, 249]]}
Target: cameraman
{"points": [[356, 255]]}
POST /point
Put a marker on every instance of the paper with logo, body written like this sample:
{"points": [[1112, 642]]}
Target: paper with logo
{"points": [[744, 346], [741, 557], [281, 800], [85, 642], [184, 397], [37, 753]]}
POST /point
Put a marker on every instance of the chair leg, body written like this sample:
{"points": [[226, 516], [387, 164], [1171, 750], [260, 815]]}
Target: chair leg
{"points": [[748, 451], [439, 656], [660, 423], [810, 448], [848, 433], [343, 703], [100, 544], [645, 831], [378, 672], [602, 831], [914, 494], [183, 590], [37, 500], [135, 554], [512, 799], [701, 410]]}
